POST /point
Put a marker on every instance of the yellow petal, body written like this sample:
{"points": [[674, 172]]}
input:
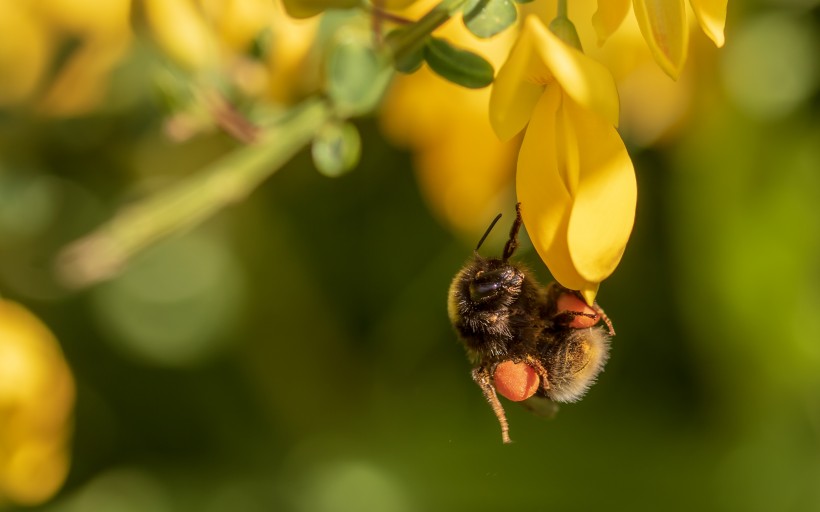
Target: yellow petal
{"points": [[308, 8], [608, 17], [239, 23], [87, 17], [36, 400], [25, 51], [515, 92], [181, 31], [465, 173], [82, 82], [589, 293], [587, 81], [545, 200], [566, 148], [711, 15], [292, 41], [663, 25], [395, 5], [35, 471], [603, 211]]}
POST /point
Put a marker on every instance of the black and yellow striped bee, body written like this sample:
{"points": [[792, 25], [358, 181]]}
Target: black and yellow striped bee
{"points": [[525, 341]]}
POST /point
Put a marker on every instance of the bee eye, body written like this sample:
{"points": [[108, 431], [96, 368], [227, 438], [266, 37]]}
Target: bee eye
{"points": [[483, 289]]}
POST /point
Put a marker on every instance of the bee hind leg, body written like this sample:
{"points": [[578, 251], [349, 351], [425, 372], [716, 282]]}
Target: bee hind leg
{"points": [[481, 376], [542, 373]]}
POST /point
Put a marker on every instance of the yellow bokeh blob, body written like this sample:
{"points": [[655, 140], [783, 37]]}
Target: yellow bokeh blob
{"points": [[36, 400]]}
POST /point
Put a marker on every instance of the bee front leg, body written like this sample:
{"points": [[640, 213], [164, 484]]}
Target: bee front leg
{"points": [[605, 318], [481, 376]]}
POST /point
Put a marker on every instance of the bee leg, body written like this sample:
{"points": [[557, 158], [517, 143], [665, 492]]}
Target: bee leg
{"points": [[566, 317], [481, 376], [567, 313], [605, 318], [536, 365]]}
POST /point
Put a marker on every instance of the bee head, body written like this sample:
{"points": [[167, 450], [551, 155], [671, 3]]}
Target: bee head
{"points": [[494, 283], [483, 291]]}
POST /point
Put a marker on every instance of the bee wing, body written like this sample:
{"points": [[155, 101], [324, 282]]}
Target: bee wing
{"points": [[541, 406]]}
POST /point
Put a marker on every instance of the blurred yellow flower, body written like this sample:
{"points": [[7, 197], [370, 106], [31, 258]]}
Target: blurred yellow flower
{"points": [[36, 399], [25, 50], [180, 29], [90, 37], [575, 179], [308, 8], [216, 36], [464, 172], [652, 107], [664, 26]]}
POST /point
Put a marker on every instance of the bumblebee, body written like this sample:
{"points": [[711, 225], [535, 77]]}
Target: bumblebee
{"points": [[525, 341]]}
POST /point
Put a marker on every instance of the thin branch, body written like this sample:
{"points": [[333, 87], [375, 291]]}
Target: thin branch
{"points": [[231, 120], [382, 14], [102, 253]]}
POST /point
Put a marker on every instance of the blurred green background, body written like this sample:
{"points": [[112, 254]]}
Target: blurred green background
{"points": [[294, 353]]}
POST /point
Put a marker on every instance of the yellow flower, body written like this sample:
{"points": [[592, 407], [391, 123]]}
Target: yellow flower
{"points": [[36, 32], [575, 179], [25, 52], [664, 26], [36, 399]]}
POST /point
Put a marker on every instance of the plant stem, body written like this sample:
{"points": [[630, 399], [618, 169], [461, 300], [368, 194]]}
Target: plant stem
{"points": [[102, 253], [378, 12], [410, 39], [562, 9]]}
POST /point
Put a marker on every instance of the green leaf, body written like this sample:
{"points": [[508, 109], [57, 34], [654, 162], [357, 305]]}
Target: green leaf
{"points": [[173, 91], [523, 1], [336, 149], [412, 60], [461, 67], [486, 18], [356, 76]]}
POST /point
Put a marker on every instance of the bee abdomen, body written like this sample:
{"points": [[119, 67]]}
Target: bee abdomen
{"points": [[575, 362]]}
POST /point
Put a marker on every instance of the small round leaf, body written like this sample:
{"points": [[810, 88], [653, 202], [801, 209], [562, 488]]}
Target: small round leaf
{"points": [[336, 149], [356, 76], [486, 18]]}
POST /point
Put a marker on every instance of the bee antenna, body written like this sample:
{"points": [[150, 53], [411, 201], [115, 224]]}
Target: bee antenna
{"points": [[486, 233], [512, 243]]}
